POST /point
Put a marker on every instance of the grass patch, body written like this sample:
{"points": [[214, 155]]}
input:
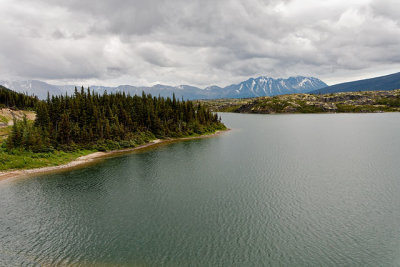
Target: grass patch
{"points": [[304, 108], [362, 108], [4, 132], [231, 108], [3, 119], [272, 104], [19, 159], [390, 102]]}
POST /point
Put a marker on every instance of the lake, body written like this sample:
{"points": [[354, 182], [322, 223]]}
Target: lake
{"points": [[276, 190]]}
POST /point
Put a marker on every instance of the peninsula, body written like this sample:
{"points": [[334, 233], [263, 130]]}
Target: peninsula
{"points": [[57, 131]]}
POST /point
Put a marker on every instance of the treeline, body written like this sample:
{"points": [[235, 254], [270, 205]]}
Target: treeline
{"points": [[11, 99], [109, 121]]}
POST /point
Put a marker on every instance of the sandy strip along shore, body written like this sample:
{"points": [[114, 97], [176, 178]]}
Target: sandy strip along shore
{"points": [[96, 156]]}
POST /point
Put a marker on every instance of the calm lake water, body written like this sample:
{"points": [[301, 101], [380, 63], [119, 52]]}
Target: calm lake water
{"points": [[277, 190]]}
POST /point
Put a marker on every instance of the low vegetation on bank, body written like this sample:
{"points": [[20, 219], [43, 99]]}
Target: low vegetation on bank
{"points": [[369, 101], [66, 127], [25, 159]]}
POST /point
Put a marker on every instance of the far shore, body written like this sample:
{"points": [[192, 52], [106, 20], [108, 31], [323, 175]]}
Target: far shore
{"points": [[93, 157]]}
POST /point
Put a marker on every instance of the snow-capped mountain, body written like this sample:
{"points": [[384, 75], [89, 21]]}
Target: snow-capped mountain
{"points": [[253, 87], [266, 86]]}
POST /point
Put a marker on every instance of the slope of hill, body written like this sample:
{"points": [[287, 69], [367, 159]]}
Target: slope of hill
{"points": [[12, 99], [388, 82], [357, 102], [253, 87]]}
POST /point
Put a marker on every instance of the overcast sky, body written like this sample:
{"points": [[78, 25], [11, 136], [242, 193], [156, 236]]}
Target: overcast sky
{"points": [[197, 42]]}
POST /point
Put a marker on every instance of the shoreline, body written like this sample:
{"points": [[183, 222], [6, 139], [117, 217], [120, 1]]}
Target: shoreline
{"points": [[95, 157]]}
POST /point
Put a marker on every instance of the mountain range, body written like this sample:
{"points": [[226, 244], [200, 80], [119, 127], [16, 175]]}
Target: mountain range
{"points": [[382, 83], [253, 87]]}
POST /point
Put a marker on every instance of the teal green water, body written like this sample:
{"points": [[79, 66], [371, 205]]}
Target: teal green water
{"points": [[277, 190]]}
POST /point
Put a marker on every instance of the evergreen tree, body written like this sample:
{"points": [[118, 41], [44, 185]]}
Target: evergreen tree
{"points": [[91, 120]]}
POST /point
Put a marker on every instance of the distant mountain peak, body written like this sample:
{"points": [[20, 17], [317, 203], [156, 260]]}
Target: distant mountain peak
{"points": [[252, 87]]}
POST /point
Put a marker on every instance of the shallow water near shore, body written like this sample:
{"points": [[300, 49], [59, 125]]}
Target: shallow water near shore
{"points": [[280, 190]]}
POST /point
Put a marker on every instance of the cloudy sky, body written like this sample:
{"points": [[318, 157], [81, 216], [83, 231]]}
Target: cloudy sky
{"points": [[197, 42]]}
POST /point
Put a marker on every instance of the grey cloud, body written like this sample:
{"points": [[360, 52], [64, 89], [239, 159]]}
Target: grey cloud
{"points": [[118, 16], [198, 42], [57, 34], [154, 54], [387, 8]]}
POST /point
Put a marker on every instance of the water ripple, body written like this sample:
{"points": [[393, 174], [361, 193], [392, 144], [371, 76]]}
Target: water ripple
{"points": [[318, 190]]}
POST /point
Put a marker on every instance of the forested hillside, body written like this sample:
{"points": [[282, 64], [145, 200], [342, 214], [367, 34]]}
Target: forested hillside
{"points": [[108, 121], [13, 99]]}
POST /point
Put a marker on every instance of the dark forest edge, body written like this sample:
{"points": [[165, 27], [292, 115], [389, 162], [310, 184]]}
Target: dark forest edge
{"points": [[67, 127]]}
